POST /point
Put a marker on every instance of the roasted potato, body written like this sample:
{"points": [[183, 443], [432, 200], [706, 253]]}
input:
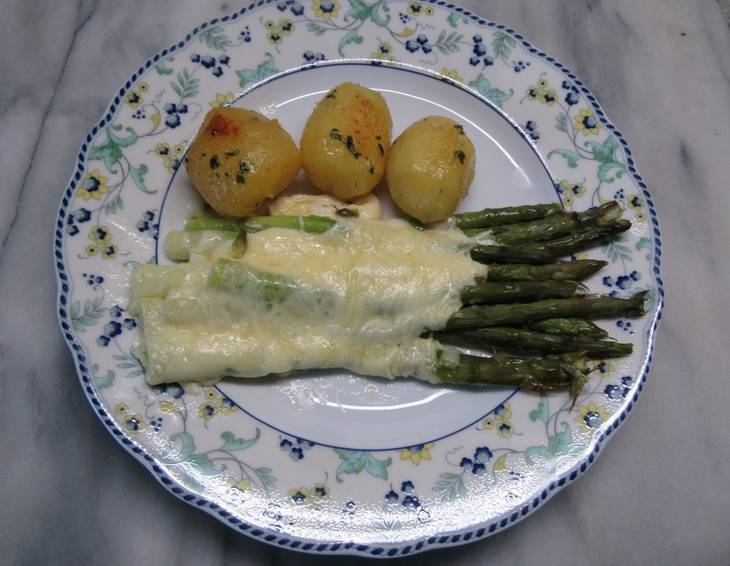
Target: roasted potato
{"points": [[430, 168], [239, 158], [346, 141]]}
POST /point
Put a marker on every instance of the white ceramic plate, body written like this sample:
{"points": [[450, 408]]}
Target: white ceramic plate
{"points": [[332, 462]]}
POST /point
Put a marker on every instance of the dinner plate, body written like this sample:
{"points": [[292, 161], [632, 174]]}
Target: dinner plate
{"points": [[331, 462]]}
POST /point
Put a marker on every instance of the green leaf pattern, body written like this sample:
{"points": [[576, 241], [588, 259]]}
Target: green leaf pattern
{"points": [[355, 461], [494, 94], [87, 316], [263, 71], [215, 38]]}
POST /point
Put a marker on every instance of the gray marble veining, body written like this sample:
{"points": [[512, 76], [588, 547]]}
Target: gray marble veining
{"points": [[658, 494]]}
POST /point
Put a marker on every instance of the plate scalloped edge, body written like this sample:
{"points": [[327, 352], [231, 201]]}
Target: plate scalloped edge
{"points": [[270, 536]]}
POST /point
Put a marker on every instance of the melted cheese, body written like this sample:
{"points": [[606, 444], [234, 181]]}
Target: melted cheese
{"points": [[356, 297]]}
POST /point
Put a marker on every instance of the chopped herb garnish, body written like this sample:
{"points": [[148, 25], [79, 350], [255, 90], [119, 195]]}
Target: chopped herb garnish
{"points": [[372, 170], [418, 225], [378, 138], [239, 244], [460, 155], [240, 179], [351, 147], [347, 212], [331, 94], [243, 167], [335, 134], [459, 128], [380, 147], [232, 153], [214, 162]]}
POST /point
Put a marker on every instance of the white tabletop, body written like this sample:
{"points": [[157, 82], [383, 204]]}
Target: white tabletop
{"points": [[659, 492]]}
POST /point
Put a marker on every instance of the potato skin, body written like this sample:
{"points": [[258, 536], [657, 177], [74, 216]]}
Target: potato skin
{"points": [[239, 158], [430, 168], [346, 141]]}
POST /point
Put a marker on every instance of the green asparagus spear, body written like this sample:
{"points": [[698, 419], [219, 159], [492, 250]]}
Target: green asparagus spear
{"points": [[524, 233], [510, 254], [477, 316], [488, 292], [212, 224], [308, 224], [528, 341], [552, 226], [559, 271], [568, 327], [236, 276], [508, 215], [580, 239], [607, 212], [547, 374]]}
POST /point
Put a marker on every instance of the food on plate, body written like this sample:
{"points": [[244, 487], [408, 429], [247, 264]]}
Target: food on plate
{"points": [[346, 141], [240, 158], [430, 168], [366, 206], [381, 298], [320, 293]]}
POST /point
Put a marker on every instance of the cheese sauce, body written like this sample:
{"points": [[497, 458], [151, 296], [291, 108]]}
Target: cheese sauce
{"points": [[356, 297]]}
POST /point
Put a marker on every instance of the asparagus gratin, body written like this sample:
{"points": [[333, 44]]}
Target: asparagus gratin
{"points": [[272, 294]]}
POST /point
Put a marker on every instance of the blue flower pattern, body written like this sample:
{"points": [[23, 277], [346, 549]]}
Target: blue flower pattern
{"points": [[406, 496], [295, 447]]}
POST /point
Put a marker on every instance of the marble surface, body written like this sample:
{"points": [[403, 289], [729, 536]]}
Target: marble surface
{"points": [[658, 494]]}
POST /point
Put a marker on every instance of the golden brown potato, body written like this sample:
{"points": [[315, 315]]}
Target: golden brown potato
{"points": [[346, 141], [430, 168], [239, 158]]}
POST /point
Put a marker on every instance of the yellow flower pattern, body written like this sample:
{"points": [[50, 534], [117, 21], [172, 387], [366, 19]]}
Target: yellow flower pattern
{"points": [[326, 9], [207, 411], [591, 416], [299, 495], [215, 404], [500, 421], [417, 453], [276, 32], [93, 187], [566, 188], [135, 98], [542, 93], [131, 421], [170, 155], [384, 52], [302, 495], [586, 122], [222, 99], [169, 407], [452, 74], [416, 9], [242, 485], [102, 245]]}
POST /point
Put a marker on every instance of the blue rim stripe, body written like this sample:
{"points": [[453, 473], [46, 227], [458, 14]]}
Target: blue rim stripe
{"points": [[214, 509]]}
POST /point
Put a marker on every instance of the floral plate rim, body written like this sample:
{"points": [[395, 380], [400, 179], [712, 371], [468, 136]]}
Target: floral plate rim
{"points": [[272, 537]]}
